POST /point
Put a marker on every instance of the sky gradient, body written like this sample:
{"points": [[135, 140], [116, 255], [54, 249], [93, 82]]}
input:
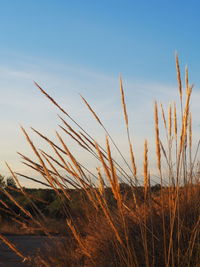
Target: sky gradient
{"points": [[72, 47]]}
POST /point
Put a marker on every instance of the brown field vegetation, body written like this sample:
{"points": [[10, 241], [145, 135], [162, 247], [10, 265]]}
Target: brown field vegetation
{"points": [[121, 221]]}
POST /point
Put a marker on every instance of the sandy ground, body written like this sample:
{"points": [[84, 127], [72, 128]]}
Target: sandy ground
{"points": [[28, 245]]}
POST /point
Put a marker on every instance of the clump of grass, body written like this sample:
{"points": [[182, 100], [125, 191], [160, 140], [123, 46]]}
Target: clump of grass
{"points": [[137, 225]]}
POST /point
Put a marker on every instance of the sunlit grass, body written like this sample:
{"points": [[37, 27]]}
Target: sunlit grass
{"points": [[126, 219]]}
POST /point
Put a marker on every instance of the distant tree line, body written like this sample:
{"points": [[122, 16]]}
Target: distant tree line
{"points": [[51, 203], [7, 182]]}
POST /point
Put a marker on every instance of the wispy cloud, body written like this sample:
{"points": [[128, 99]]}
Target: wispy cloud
{"points": [[22, 103]]}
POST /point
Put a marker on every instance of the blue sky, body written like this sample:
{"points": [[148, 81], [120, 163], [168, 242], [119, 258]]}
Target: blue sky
{"points": [[137, 38], [73, 47]]}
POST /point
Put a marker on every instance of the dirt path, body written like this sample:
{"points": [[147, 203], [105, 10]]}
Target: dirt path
{"points": [[28, 245]]}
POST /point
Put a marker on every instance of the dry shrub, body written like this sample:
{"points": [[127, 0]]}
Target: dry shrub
{"points": [[131, 226]]}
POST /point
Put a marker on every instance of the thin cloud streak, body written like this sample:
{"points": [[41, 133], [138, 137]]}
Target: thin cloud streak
{"points": [[21, 103]]}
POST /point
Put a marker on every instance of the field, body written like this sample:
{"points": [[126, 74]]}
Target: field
{"points": [[112, 217]]}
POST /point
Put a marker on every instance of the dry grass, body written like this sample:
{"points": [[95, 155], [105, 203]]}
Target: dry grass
{"points": [[135, 226]]}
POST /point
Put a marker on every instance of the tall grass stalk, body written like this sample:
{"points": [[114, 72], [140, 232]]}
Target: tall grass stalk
{"points": [[128, 220]]}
